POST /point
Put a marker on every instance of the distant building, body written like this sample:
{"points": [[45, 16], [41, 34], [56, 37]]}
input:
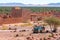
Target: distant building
{"points": [[22, 15], [16, 12]]}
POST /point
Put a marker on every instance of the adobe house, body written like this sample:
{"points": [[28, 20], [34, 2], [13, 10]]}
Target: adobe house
{"points": [[16, 12], [19, 14], [14, 17]]}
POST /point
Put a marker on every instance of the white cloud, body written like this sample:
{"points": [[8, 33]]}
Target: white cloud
{"points": [[30, 1]]}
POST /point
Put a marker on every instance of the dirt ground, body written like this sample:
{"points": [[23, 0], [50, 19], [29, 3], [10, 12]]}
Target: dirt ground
{"points": [[26, 35]]}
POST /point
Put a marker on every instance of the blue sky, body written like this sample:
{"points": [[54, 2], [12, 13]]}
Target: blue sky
{"points": [[30, 1]]}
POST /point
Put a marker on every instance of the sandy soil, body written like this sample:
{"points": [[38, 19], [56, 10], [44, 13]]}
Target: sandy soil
{"points": [[26, 35]]}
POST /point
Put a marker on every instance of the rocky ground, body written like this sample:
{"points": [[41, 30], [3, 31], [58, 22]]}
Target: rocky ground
{"points": [[27, 35]]}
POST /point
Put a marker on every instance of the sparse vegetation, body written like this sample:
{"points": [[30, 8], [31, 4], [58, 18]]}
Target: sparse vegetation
{"points": [[33, 9], [42, 9], [53, 22]]}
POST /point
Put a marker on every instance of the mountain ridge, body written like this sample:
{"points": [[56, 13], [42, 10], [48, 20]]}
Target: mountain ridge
{"points": [[54, 4], [30, 5]]}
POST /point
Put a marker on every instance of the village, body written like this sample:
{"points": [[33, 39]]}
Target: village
{"points": [[18, 15], [23, 24]]}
